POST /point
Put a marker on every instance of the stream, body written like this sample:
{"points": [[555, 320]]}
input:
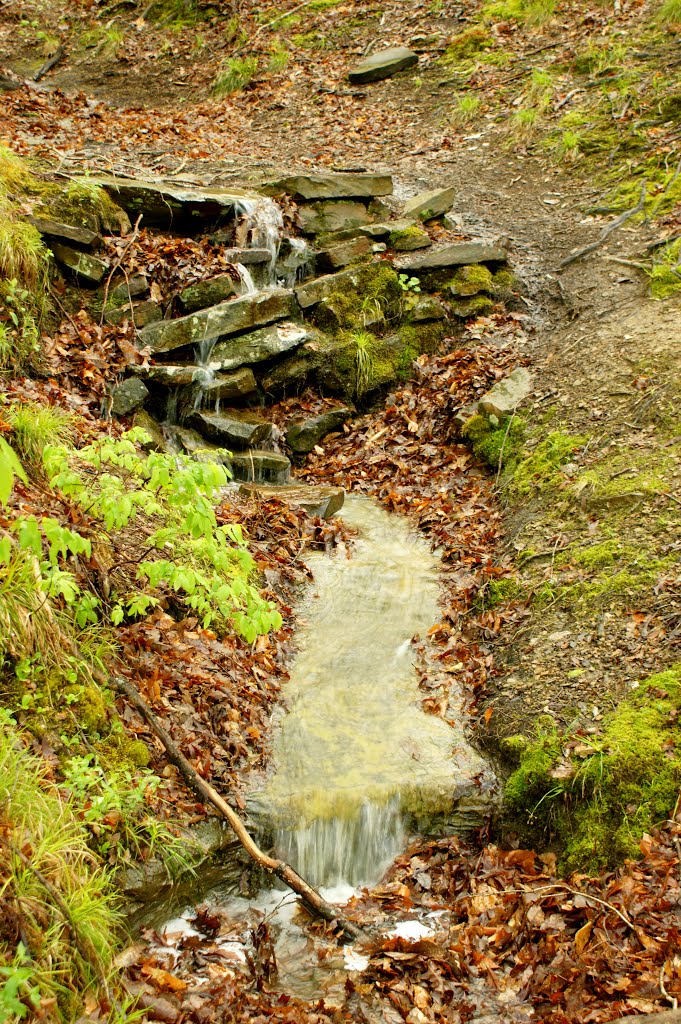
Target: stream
{"points": [[359, 767]]}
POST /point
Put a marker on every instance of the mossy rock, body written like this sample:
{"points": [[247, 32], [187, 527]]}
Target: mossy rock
{"points": [[478, 305], [86, 205], [422, 338], [496, 443], [471, 280], [371, 296], [595, 800], [409, 239]]}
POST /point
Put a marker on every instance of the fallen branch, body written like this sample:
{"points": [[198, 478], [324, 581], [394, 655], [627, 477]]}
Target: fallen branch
{"points": [[50, 63], [118, 263], [617, 223], [310, 897]]}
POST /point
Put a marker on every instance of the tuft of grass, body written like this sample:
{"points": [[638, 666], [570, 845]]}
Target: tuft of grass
{"points": [[465, 109], [60, 898], [27, 627], [669, 13], [36, 426], [23, 256], [533, 13], [310, 40], [14, 175], [236, 74], [104, 40], [364, 342], [278, 58], [523, 123]]}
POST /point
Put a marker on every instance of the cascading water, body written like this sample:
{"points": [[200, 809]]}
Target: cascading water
{"points": [[297, 263], [261, 227], [247, 282], [356, 756]]}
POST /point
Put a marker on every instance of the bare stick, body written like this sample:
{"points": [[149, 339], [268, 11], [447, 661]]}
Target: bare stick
{"points": [[617, 223], [310, 897], [131, 241], [50, 63]]}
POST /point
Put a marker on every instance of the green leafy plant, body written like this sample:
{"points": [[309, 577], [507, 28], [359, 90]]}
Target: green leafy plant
{"points": [[409, 284], [18, 993]]}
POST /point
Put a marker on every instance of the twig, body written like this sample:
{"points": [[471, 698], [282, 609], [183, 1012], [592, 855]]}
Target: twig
{"points": [[627, 263], [50, 63], [131, 241], [566, 99], [279, 17], [617, 223]]}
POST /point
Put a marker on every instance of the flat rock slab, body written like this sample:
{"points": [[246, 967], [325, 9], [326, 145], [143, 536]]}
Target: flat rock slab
{"points": [[128, 396], [458, 254], [87, 268], [316, 501], [247, 257], [134, 288], [312, 292], [332, 215], [164, 203], [383, 64], [140, 313], [208, 293], [169, 376], [303, 435], [506, 396], [226, 386], [341, 253], [428, 205], [409, 239], [259, 346], [233, 429], [325, 185], [217, 321], [68, 232], [259, 466]]}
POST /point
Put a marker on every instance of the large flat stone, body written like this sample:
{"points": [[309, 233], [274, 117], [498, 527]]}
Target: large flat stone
{"points": [[167, 204], [230, 386], [458, 254], [128, 396], [140, 313], [303, 435], [383, 64], [218, 321], [247, 257], [506, 396], [67, 232], [340, 254], [334, 215], [428, 205], [167, 375], [259, 346], [316, 501], [208, 293], [232, 429], [311, 292], [259, 466], [325, 185], [87, 268]]}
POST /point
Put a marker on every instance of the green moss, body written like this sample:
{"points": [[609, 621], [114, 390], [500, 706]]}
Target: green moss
{"points": [[91, 709], [374, 299], [477, 305], [495, 444], [665, 276], [119, 752], [84, 203], [406, 239], [500, 591], [540, 471], [596, 804], [467, 44], [422, 337], [472, 279], [504, 284]]}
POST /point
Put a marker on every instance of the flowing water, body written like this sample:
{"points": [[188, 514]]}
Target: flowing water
{"points": [[356, 758], [261, 227]]}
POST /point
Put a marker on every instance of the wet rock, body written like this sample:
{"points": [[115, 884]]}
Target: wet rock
{"points": [[507, 395], [476, 305], [158, 442], [290, 376], [339, 255], [192, 443], [233, 429], [303, 435], [259, 346], [169, 204], [88, 269], [325, 185], [217, 321], [134, 288], [259, 466], [458, 254], [167, 375], [428, 308], [128, 396], [316, 501], [383, 64], [428, 205], [409, 239], [67, 232], [140, 313], [247, 257], [240, 384], [311, 292], [339, 215], [208, 293]]}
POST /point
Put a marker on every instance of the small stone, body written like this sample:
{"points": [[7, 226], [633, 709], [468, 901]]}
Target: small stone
{"points": [[507, 395], [69, 232], [233, 429], [259, 466], [429, 205], [323, 218], [140, 313], [409, 239], [134, 288], [383, 64], [379, 247], [428, 308], [168, 376], [208, 293], [304, 435], [247, 257], [87, 268], [128, 396], [315, 500]]}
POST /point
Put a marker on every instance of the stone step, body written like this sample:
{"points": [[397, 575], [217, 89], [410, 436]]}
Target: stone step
{"points": [[458, 254], [326, 185], [428, 205], [88, 269], [383, 64], [261, 345], [255, 465], [304, 435], [208, 293], [66, 232], [332, 215], [232, 428], [316, 501], [231, 317]]}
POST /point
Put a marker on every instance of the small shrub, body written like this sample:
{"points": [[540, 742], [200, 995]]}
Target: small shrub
{"points": [[235, 75]]}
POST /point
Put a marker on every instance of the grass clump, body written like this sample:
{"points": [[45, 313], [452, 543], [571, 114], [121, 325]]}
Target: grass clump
{"points": [[104, 40], [467, 45], [45, 845], [34, 427], [235, 74], [23, 257], [669, 13], [596, 796], [364, 342], [465, 109], [533, 13]]}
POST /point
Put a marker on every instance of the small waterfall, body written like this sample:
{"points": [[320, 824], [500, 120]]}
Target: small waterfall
{"points": [[261, 227], [247, 282], [296, 265]]}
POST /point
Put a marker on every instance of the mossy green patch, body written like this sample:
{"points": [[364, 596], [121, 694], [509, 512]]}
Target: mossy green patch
{"points": [[467, 44], [421, 337], [375, 299], [496, 444], [595, 797], [539, 471], [665, 275], [471, 280], [407, 239]]}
